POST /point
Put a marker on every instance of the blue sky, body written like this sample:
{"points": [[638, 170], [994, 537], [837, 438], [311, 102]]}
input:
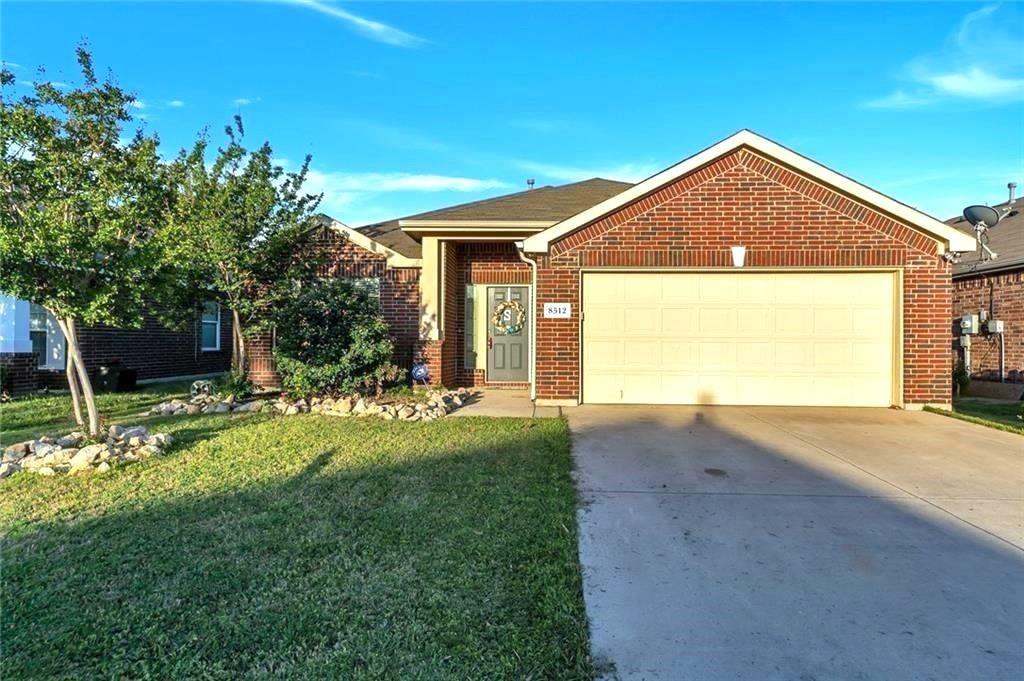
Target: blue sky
{"points": [[412, 106]]}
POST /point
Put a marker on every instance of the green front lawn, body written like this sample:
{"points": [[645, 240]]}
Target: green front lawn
{"points": [[30, 416], [305, 546], [992, 413]]}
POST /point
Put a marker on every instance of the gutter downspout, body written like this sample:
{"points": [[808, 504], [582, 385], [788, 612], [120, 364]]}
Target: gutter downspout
{"points": [[533, 325]]}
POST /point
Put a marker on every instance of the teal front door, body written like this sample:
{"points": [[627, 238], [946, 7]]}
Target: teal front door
{"points": [[508, 338]]}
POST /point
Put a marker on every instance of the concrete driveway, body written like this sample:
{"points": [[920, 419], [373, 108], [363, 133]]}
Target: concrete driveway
{"points": [[771, 543]]}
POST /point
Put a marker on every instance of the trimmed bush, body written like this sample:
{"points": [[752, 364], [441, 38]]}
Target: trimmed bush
{"points": [[332, 340]]}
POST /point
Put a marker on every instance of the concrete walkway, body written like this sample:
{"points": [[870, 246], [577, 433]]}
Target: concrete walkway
{"points": [[511, 403], [766, 543]]}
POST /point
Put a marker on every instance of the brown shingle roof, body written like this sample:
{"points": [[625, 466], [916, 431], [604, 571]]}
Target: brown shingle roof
{"points": [[543, 203], [1006, 239]]}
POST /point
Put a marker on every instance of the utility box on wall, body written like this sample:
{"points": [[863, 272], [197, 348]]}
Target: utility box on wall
{"points": [[969, 324], [994, 326]]}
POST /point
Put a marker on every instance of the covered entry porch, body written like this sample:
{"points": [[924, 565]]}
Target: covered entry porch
{"points": [[477, 313]]}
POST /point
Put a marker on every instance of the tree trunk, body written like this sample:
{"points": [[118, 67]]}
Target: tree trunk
{"points": [[240, 360], [69, 372], [83, 378]]}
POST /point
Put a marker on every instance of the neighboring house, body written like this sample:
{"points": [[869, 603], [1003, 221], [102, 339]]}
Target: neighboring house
{"points": [[746, 274], [33, 350], [995, 287]]}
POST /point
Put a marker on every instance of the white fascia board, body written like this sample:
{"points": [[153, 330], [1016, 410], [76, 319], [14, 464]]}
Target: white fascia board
{"points": [[950, 237], [394, 258]]}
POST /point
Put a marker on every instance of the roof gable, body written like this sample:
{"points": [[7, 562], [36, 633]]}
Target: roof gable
{"points": [[948, 237]]}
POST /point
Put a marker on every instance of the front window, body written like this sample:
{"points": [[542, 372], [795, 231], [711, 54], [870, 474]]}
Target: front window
{"points": [[368, 285], [37, 333], [211, 327]]}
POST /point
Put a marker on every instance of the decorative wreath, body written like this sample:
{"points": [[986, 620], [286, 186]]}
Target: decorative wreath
{"points": [[498, 319]]}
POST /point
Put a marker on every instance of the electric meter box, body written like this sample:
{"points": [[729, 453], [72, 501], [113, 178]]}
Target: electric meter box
{"points": [[969, 324], [994, 326]]}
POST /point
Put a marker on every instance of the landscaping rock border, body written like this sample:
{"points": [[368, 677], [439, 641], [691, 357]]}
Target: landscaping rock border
{"points": [[74, 453], [428, 406]]}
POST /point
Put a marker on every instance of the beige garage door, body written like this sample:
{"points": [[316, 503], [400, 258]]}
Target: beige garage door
{"points": [[739, 338]]}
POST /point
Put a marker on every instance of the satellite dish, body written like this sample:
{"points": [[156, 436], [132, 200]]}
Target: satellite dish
{"points": [[981, 215], [982, 218]]}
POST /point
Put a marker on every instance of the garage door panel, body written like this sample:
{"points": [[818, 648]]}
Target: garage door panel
{"points": [[755, 321], [791, 355], [642, 290], [717, 289], [832, 322], [835, 356], [607, 353], [866, 322], [642, 320], [642, 354], [755, 290], [606, 321], [716, 355], [716, 322], [686, 291], [754, 355], [794, 290], [739, 338], [792, 320], [679, 355], [677, 321]]}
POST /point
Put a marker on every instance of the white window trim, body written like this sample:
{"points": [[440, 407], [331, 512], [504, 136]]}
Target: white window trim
{"points": [[53, 357], [202, 323]]}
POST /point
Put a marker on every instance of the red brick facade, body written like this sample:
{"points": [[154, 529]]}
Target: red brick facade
{"points": [[155, 351], [399, 299], [1001, 294], [785, 220]]}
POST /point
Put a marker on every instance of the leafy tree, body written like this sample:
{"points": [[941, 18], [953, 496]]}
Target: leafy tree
{"points": [[82, 213], [332, 339], [241, 222]]}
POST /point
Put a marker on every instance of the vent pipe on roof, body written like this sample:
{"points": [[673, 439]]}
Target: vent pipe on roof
{"points": [[1012, 186], [530, 181]]}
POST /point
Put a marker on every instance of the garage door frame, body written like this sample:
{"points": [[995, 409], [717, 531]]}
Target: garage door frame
{"points": [[897, 325]]}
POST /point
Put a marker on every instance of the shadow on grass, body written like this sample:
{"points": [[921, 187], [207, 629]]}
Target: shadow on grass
{"points": [[370, 550], [50, 414]]}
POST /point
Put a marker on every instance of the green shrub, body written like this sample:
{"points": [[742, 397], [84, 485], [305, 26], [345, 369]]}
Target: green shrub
{"points": [[961, 377], [331, 340], [235, 383]]}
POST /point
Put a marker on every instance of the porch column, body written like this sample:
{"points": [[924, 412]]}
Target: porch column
{"points": [[431, 290]]}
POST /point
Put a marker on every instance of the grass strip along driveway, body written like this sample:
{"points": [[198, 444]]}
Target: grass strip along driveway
{"points": [[263, 546], [1002, 415]]}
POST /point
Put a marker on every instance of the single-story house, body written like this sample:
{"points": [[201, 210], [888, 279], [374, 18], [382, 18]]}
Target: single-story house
{"points": [[745, 274], [33, 352], [994, 288]]}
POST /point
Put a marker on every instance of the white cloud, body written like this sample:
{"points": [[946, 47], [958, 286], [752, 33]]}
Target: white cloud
{"points": [[357, 198], [981, 61], [245, 101], [10, 64], [977, 83], [374, 30], [626, 172], [175, 103], [899, 100], [398, 182], [137, 104]]}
